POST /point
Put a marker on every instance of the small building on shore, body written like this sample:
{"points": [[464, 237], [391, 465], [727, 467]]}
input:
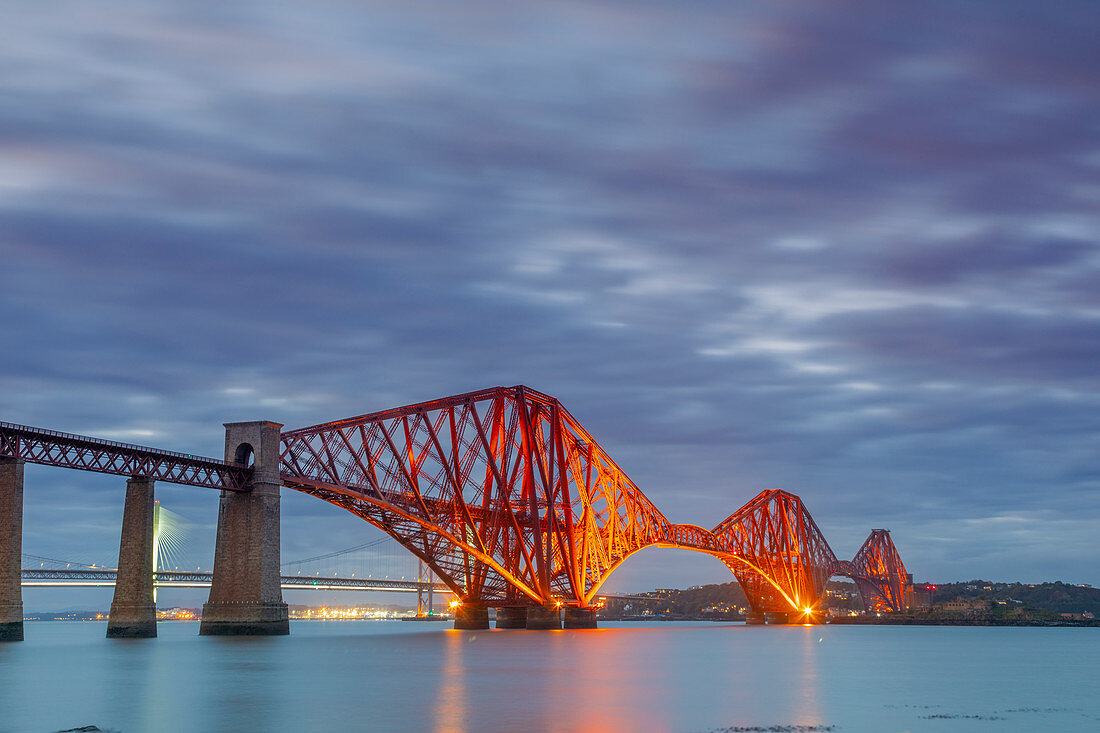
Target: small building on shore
{"points": [[967, 606]]}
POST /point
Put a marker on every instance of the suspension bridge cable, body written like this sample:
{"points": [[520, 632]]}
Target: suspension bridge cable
{"points": [[40, 558], [347, 551]]}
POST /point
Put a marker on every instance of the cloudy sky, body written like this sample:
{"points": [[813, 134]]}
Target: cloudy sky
{"points": [[849, 252]]}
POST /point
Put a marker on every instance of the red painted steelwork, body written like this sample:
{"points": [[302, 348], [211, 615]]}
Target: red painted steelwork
{"points": [[777, 552], [510, 501], [884, 584], [52, 448], [501, 492]]}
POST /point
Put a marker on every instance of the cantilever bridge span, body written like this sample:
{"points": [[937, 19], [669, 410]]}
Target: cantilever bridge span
{"points": [[501, 492], [512, 502]]}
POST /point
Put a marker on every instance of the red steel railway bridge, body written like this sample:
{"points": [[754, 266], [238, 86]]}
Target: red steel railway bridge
{"points": [[501, 492]]}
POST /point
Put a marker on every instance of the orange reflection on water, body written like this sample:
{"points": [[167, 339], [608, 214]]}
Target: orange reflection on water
{"points": [[450, 701], [807, 706], [578, 681]]}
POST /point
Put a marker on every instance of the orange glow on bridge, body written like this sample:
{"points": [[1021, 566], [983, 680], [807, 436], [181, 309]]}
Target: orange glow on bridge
{"points": [[511, 502]]}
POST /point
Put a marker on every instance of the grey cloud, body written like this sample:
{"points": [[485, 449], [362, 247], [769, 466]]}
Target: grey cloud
{"points": [[850, 252], [977, 343]]}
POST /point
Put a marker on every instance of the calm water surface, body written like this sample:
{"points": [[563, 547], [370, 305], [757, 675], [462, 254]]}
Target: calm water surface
{"points": [[682, 678]]}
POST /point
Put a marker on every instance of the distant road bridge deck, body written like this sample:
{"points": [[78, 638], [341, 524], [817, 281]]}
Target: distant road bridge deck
{"points": [[175, 579]]}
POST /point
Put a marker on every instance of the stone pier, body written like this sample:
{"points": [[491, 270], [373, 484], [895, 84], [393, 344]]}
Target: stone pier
{"points": [[579, 618], [133, 611], [471, 616], [246, 597], [753, 617], [512, 617], [544, 617], [11, 549], [777, 618]]}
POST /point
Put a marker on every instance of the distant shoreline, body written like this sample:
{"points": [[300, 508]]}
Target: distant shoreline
{"points": [[838, 621], [916, 621], [885, 621]]}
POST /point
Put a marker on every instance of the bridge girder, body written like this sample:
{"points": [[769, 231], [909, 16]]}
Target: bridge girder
{"points": [[53, 448], [510, 501]]}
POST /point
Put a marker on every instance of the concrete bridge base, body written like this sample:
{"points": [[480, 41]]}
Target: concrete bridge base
{"points": [[579, 618], [11, 549], [512, 617], [471, 616], [777, 618], [541, 618], [133, 611], [132, 621], [752, 618], [244, 619], [246, 598]]}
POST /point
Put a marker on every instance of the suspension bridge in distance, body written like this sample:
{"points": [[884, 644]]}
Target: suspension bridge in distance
{"points": [[364, 567], [501, 493], [190, 579]]}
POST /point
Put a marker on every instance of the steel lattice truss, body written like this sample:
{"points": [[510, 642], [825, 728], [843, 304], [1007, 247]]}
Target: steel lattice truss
{"points": [[880, 574], [52, 448], [777, 552], [501, 492], [510, 501]]}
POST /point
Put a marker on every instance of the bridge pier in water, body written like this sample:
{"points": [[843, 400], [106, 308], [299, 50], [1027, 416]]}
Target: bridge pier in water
{"points": [[246, 597], [471, 616], [512, 617], [579, 618], [777, 618], [11, 549], [753, 618], [545, 617], [540, 618], [133, 611]]}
